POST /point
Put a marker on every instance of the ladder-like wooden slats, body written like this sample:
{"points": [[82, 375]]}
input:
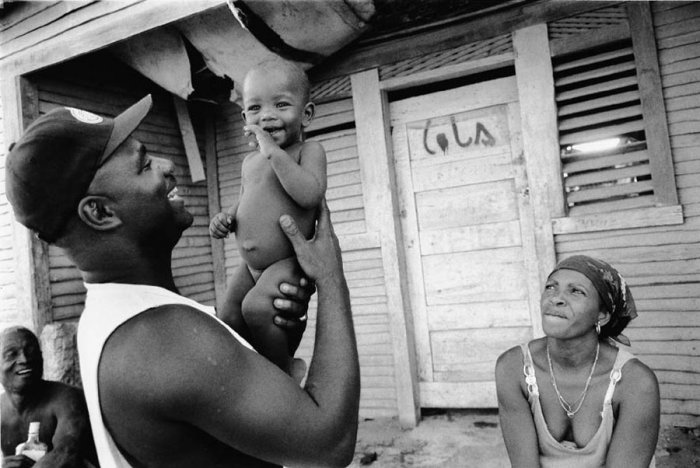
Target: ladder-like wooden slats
{"points": [[591, 164], [610, 175], [612, 191], [600, 118], [614, 205], [598, 103], [595, 73], [590, 60], [603, 87], [602, 133]]}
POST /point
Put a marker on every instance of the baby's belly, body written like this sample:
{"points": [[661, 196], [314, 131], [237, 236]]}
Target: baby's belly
{"points": [[259, 236]]}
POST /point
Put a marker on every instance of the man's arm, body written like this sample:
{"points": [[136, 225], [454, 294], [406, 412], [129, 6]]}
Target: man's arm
{"points": [[72, 429], [191, 370]]}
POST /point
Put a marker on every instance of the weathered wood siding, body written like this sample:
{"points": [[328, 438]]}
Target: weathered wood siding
{"points": [[73, 28], [362, 256], [662, 264], [106, 87], [8, 291]]}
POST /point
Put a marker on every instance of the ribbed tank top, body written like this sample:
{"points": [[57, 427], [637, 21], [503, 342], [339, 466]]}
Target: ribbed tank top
{"points": [[107, 306], [555, 454]]}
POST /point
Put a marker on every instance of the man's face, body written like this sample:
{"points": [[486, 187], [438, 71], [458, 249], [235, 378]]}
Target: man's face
{"points": [[143, 190], [22, 363]]}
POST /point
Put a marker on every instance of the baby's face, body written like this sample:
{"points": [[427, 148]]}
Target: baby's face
{"points": [[274, 103]]}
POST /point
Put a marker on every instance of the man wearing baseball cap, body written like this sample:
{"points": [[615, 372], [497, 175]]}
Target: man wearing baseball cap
{"points": [[166, 382]]}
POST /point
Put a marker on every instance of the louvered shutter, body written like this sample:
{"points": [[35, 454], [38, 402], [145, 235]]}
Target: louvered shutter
{"points": [[598, 98]]}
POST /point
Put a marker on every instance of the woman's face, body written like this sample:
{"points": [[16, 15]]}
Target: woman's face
{"points": [[570, 305]]}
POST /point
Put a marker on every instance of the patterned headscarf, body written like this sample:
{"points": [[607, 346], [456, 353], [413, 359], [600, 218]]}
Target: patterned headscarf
{"points": [[612, 289]]}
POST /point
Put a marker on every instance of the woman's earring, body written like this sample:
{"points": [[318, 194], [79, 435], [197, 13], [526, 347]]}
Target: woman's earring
{"points": [[597, 327]]}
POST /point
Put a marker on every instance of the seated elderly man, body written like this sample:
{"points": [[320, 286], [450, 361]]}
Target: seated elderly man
{"points": [[59, 408]]}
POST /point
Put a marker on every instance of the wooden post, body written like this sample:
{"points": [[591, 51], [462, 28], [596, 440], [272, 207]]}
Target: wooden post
{"points": [[380, 203], [189, 140], [538, 115], [217, 245], [653, 107], [20, 105]]}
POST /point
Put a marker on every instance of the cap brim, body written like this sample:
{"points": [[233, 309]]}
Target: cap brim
{"points": [[125, 124]]}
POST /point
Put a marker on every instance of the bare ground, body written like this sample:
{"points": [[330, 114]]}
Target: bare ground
{"points": [[472, 438]]}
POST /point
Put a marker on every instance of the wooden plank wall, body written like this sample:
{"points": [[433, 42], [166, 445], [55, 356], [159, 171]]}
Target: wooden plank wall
{"points": [[8, 291], [662, 264], [109, 93], [361, 252]]}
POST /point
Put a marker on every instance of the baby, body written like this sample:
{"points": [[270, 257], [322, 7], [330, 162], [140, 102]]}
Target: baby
{"points": [[285, 175]]}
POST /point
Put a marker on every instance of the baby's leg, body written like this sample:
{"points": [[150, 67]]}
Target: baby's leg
{"points": [[230, 309], [258, 312]]}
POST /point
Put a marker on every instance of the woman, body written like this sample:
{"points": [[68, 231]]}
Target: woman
{"points": [[573, 398]]}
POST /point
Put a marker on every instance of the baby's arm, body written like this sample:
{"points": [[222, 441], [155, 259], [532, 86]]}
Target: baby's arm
{"points": [[305, 181], [223, 223]]}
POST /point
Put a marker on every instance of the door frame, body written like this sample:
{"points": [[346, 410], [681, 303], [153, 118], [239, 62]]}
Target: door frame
{"points": [[502, 93], [371, 106]]}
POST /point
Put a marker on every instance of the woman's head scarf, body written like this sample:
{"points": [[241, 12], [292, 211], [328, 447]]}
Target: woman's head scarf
{"points": [[612, 289]]}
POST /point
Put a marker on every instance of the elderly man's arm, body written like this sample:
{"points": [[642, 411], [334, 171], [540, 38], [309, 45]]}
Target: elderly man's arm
{"points": [[72, 429]]}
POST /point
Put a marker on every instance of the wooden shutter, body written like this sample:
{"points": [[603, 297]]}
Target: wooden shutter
{"points": [[607, 85], [598, 98]]}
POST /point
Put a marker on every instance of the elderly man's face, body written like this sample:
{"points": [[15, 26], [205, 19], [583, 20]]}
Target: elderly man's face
{"points": [[22, 362]]}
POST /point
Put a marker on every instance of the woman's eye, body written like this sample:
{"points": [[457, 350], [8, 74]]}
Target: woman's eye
{"points": [[578, 291]]}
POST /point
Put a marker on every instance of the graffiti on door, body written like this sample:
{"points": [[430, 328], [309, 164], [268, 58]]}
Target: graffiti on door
{"points": [[481, 136]]}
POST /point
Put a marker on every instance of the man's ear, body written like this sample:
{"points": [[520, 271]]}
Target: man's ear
{"points": [[309, 112], [96, 212]]}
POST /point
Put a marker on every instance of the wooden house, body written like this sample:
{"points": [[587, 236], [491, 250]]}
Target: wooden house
{"points": [[459, 172]]}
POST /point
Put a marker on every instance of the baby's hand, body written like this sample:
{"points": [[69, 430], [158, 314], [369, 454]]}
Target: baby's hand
{"points": [[221, 225], [265, 143]]}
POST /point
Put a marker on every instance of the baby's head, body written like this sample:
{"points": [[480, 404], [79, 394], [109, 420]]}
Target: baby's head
{"points": [[276, 97]]}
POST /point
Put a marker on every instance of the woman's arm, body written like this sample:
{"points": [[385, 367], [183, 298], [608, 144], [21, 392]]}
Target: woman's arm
{"points": [[517, 424], [637, 425]]}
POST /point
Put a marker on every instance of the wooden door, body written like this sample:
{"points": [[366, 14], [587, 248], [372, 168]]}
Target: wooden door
{"points": [[468, 233]]}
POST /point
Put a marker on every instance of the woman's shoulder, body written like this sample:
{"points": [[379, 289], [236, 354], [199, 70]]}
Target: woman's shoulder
{"points": [[513, 358], [634, 370], [637, 381]]}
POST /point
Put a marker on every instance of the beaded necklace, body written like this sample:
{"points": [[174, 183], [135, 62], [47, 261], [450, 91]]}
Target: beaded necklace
{"points": [[568, 408]]}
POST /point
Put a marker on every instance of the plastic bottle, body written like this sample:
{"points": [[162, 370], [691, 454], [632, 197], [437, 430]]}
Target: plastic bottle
{"points": [[33, 448]]}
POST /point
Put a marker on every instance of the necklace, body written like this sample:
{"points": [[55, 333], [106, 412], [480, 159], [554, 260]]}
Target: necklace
{"points": [[570, 411]]}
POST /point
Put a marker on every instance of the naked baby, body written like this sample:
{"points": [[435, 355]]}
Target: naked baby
{"points": [[284, 175]]}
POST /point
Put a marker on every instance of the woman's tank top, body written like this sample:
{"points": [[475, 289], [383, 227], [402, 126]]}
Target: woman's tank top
{"points": [[555, 454]]}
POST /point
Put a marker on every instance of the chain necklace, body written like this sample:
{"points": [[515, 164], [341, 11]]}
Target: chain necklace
{"points": [[570, 412]]}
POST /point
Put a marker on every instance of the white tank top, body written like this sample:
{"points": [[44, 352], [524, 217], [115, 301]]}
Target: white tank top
{"points": [[107, 306]]}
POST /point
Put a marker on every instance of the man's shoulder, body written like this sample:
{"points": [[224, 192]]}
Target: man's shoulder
{"points": [[162, 327]]}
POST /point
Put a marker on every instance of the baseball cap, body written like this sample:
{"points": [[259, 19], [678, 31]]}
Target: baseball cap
{"points": [[49, 169]]}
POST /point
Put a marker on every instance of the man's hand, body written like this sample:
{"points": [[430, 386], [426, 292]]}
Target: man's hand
{"points": [[319, 257], [221, 225], [265, 143], [292, 311], [293, 307], [17, 461]]}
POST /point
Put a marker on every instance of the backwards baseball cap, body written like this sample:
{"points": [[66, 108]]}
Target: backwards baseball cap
{"points": [[49, 169]]}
